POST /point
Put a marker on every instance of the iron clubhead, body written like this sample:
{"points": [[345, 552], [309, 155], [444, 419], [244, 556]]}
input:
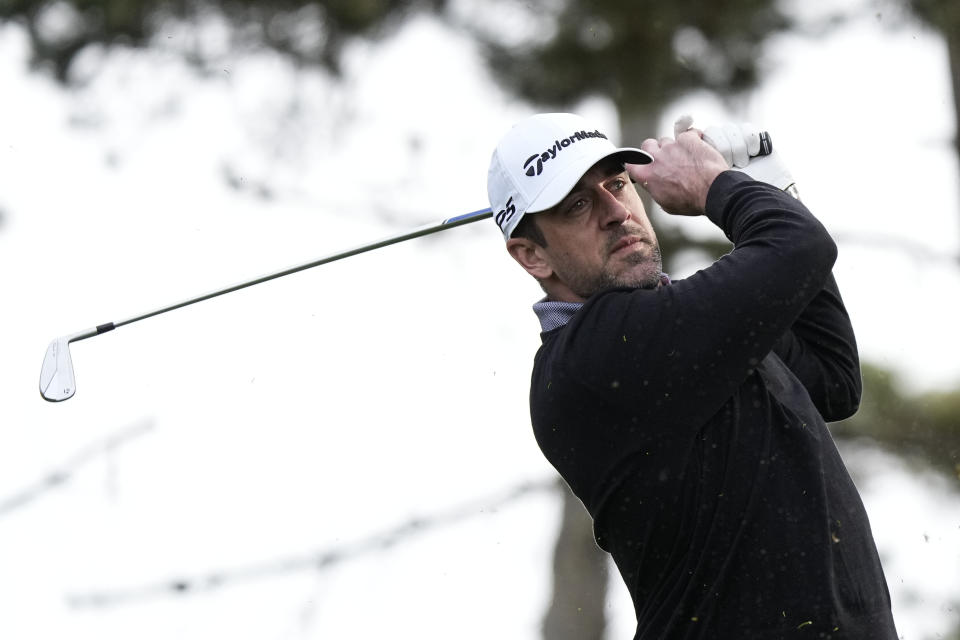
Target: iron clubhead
{"points": [[56, 375]]}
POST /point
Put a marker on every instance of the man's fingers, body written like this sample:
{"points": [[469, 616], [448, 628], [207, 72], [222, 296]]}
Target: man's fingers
{"points": [[633, 170], [638, 172], [682, 124], [641, 172], [690, 137], [651, 146], [738, 145]]}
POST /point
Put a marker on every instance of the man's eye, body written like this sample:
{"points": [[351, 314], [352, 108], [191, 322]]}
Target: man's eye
{"points": [[577, 205], [618, 184]]}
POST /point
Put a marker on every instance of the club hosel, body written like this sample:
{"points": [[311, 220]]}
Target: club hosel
{"points": [[86, 333]]}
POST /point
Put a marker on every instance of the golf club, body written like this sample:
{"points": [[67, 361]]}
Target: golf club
{"points": [[57, 381]]}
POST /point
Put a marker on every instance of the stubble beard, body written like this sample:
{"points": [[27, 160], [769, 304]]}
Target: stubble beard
{"points": [[585, 284]]}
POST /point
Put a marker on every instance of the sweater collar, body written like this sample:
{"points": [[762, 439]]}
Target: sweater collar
{"points": [[554, 314]]}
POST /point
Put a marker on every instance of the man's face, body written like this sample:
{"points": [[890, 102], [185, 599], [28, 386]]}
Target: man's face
{"points": [[597, 237]]}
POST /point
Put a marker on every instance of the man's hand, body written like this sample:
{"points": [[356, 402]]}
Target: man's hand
{"points": [[681, 172]]}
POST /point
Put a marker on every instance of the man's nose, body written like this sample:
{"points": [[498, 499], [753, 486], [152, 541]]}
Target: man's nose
{"points": [[615, 212]]}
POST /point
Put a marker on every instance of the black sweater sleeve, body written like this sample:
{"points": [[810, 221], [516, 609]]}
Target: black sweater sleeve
{"points": [[821, 350], [679, 352]]}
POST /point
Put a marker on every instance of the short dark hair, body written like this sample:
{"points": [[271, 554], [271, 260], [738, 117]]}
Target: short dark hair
{"points": [[529, 229]]}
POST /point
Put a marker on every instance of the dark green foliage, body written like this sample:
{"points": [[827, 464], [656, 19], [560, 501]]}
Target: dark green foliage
{"points": [[276, 24], [643, 53], [639, 53], [673, 241], [938, 14], [925, 427], [943, 16]]}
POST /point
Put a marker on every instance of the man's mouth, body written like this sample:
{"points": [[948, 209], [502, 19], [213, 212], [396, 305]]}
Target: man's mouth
{"points": [[625, 243]]}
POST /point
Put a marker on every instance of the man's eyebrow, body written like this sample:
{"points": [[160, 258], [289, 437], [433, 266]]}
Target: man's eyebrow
{"points": [[609, 171]]}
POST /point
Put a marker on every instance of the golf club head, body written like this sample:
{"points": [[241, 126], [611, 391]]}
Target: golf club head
{"points": [[56, 375]]}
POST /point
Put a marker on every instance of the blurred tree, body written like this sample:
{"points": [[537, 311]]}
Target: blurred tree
{"points": [[924, 428], [311, 32], [641, 54], [580, 575], [943, 16], [580, 49]]}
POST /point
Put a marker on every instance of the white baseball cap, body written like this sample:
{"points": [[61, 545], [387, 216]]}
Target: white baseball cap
{"points": [[538, 162]]}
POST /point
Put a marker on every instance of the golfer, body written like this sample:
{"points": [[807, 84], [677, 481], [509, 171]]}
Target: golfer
{"points": [[689, 416]]}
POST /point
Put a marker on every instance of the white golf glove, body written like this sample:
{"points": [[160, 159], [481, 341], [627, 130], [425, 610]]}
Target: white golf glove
{"points": [[748, 149]]}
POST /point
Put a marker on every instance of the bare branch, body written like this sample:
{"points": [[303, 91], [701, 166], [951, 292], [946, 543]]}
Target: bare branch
{"points": [[320, 560], [63, 473]]}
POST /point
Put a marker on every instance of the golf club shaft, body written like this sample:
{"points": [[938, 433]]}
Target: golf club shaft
{"points": [[419, 232]]}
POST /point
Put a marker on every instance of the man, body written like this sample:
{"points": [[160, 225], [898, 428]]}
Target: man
{"points": [[689, 416]]}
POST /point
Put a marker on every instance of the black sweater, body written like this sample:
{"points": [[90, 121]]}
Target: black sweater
{"points": [[690, 420]]}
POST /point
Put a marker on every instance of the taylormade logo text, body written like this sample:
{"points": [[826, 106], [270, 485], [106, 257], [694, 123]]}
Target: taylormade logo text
{"points": [[534, 164]]}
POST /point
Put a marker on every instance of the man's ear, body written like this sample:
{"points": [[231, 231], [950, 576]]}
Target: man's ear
{"points": [[531, 257]]}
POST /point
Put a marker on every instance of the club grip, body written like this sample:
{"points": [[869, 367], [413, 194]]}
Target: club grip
{"points": [[766, 144]]}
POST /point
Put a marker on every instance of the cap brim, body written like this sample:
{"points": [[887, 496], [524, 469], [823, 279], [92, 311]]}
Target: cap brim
{"points": [[566, 180]]}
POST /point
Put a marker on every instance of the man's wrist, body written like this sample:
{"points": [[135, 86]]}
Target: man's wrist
{"points": [[719, 193]]}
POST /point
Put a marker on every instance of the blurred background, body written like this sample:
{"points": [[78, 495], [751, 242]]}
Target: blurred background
{"points": [[346, 452]]}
